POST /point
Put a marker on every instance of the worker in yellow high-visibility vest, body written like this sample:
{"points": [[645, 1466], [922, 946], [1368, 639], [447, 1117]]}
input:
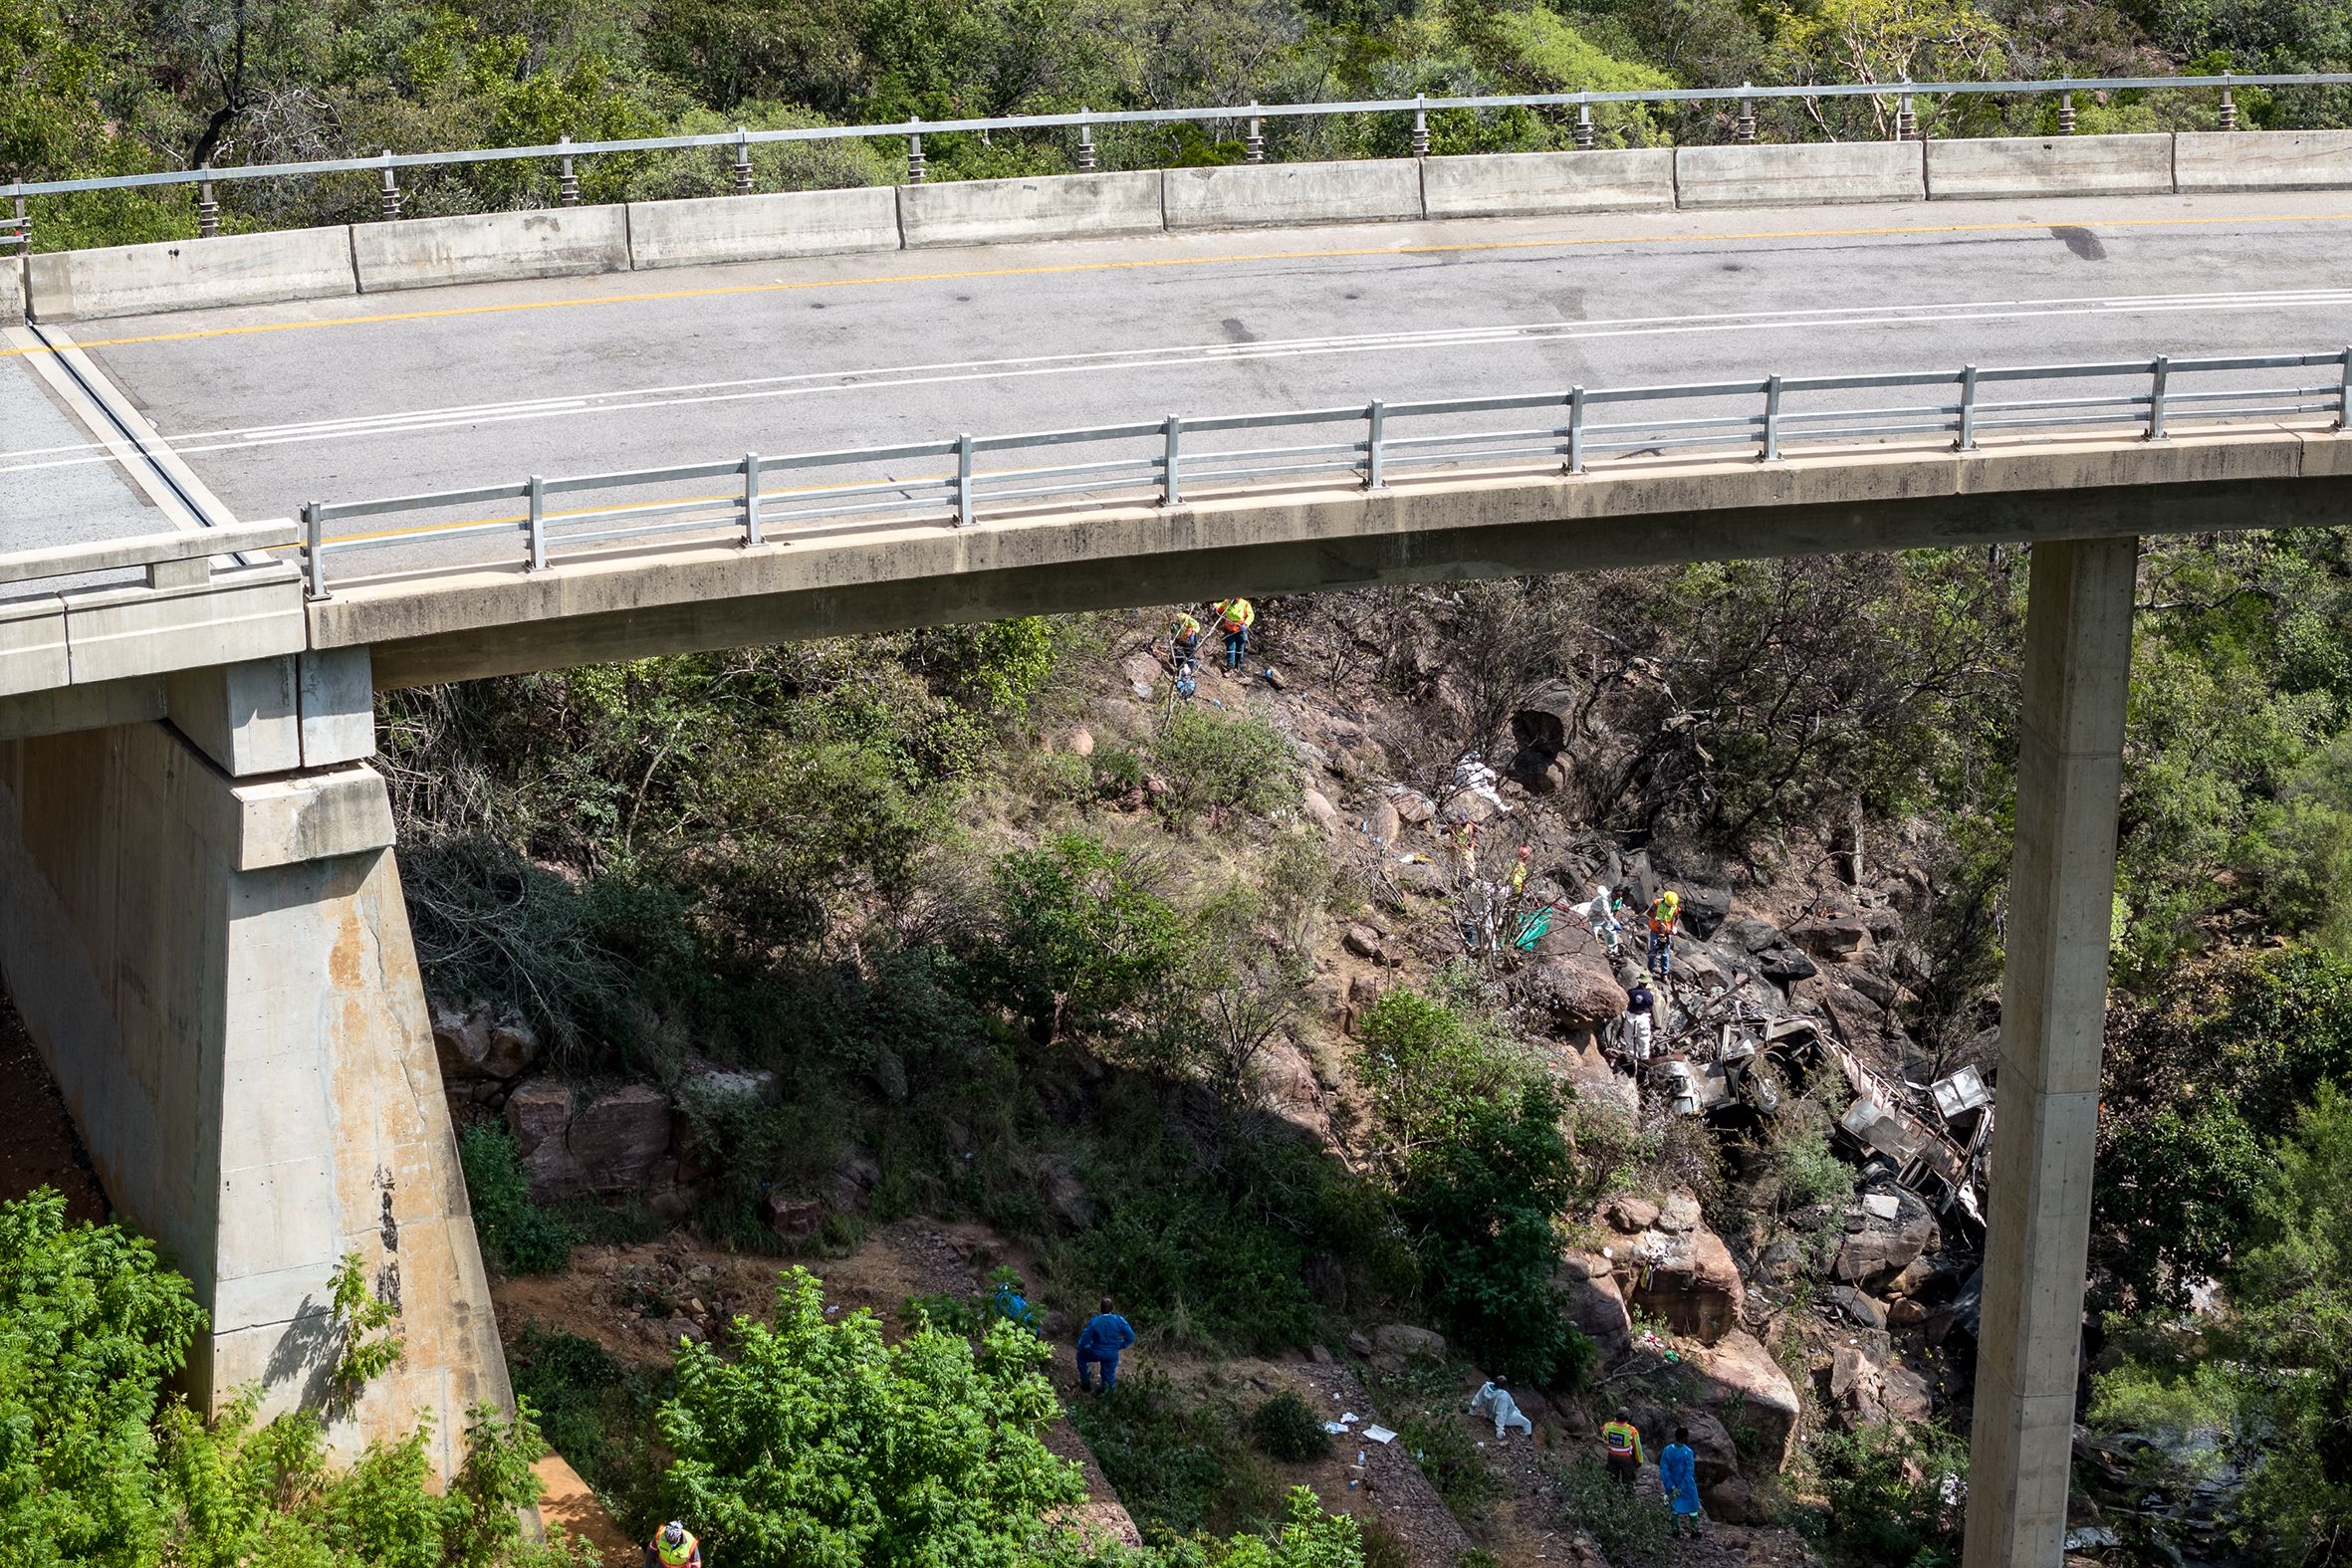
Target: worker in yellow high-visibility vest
{"points": [[673, 1546], [1622, 1440], [1235, 617]]}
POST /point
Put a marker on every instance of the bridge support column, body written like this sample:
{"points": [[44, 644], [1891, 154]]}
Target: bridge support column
{"points": [[202, 926], [2078, 641]]}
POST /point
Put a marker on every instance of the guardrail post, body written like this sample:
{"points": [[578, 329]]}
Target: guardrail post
{"points": [[743, 162], [1375, 460], [1253, 140], [1575, 429], [2067, 113], [391, 189], [314, 552], [207, 209], [2229, 105], [567, 182], [914, 153], [537, 523], [1085, 144], [1771, 439], [23, 227], [1420, 125], [2161, 372], [751, 498], [1906, 117], [1584, 133], [967, 509], [1967, 410], [1171, 491], [1744, 129], [2344, 395]]}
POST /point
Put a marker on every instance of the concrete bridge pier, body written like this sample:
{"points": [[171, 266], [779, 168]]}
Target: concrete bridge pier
{"points": [[2078, 645], [202, 926]]}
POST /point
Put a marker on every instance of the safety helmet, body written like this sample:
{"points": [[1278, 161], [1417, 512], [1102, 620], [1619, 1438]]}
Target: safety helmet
{"points": [[674, 1532], [1526, 850]]}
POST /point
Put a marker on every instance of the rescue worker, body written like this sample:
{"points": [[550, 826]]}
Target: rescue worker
{"points": [[1466, 849], [1599, 914], [1100, 1343], [1184, 640], [674, 1546], [1622, 1439], [1518, 873], [1640, 1008], [1677, 1473], [1235, 617], [1495, 1400], [1665, 915]]}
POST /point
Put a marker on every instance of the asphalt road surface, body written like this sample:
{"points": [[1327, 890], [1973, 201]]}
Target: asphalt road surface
{"points": [[387, 394]]}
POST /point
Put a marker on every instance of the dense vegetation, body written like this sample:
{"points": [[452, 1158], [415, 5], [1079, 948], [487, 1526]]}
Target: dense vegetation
{"points": [[108, 87]]}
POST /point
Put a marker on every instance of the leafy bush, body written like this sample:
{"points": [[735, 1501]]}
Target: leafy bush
{"points": [[1285, 1428], [91, 1324], [1890, 1492], [1178, 1463], [1479, 1207], [1082, 937], [818, 1442], [1625, 1526], [1195, 1254], [517, 1234], [1425, 1063], [1214, 761]]}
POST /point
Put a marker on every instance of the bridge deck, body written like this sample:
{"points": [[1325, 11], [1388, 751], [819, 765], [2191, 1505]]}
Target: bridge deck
{"points": [[60, 487], [277, 405]]}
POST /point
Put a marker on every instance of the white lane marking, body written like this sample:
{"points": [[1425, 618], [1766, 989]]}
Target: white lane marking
{"points": [[418, 421]]}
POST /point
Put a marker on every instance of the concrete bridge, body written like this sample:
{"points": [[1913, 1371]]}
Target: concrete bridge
{"points": [[201, 915]]}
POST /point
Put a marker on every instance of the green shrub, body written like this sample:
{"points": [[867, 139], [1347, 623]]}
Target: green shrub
{"points": [[517, 1234], [1480, 1205], [597, 1413], [1083, 941], [1215, 762], [1193, 1254], [1178, 1462], [1890, 1493], [1285, 1428], [1624, 1525]]}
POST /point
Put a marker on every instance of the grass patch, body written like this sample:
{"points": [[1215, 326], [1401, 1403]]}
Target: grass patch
{"points": [[1177, 1460]]}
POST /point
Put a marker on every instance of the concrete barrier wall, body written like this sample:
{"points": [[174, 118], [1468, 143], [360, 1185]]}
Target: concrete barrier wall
{"points": [[2263, 160], [762, 228], [1250, 195], [1509, 185], [190, 275], [12, 289], [1756, 175], [2140, 165], [556, 242], [1046, 207]]}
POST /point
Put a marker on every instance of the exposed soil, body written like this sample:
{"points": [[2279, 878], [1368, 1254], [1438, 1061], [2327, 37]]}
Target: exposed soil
{"points": [[568, 1504], [38, 1144]]}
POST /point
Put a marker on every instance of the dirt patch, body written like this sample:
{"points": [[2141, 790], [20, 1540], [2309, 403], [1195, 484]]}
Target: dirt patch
{"points": [[569, 1506], [38, 1144]]}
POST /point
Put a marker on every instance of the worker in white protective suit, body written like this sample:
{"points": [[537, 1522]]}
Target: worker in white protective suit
{"points": [[1493, 1398], [1599, 914]]}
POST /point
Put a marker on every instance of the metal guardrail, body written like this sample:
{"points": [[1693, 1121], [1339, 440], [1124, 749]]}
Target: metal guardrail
{"points": [[1252, 115], [171, 559], [1580, 427]]}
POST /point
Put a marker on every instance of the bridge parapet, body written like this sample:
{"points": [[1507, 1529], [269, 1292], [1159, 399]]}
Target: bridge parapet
{"points": [[82, 616]]}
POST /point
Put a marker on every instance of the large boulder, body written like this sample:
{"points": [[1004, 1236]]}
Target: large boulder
{"points": [[1688, 1280], [1543, 721], [1403, 1339], [614, 1143], [1830, 938], [1747, 1388], [1594, 1304], [1705, 909], [1882, 1249], [475, 1042], [1784, 965], [1320, 811], [1577, 991]]}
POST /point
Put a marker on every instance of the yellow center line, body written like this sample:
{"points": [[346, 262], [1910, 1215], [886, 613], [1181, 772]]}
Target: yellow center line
{"points": [[1064, 267]]}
